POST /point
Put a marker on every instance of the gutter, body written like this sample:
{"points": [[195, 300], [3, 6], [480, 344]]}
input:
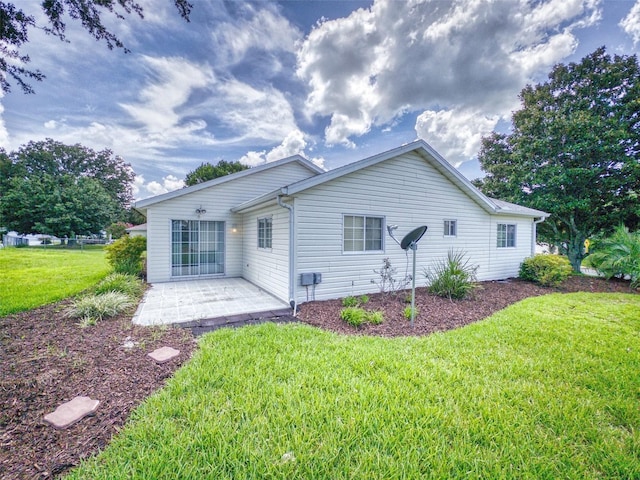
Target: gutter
{"points": [[292, 243], [534, 234]]}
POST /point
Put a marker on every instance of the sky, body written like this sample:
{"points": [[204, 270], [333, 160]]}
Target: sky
{"points": [[333, 81]]}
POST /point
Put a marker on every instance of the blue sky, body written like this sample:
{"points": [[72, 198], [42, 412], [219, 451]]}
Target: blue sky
{"points": [[334, 81]]}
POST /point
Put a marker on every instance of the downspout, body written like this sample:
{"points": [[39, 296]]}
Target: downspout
{"points": [[534, 235], [292, 243]]}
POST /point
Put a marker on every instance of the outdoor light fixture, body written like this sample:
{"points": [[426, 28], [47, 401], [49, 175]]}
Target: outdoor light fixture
{"points": [[234, 228], [200, 210]]}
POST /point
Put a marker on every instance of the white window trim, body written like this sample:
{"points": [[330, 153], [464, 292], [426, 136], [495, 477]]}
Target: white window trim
{"points": [[382, 230], [515, 235], [258, 220], [444, 223]]}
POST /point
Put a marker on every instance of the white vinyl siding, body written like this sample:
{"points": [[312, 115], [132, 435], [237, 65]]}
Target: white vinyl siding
{"points": [[217, 201], [265, 237], [450, 228], [268, 268], [408, 191], [506, 237], [362, 233]]}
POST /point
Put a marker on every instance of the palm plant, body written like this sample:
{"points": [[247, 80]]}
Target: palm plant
{"points": [[618, 255]]}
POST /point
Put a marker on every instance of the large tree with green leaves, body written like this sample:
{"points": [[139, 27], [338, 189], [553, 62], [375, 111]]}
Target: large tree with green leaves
{"points": [[64, 189], [15, 24], [207, 171], [574, 151]]}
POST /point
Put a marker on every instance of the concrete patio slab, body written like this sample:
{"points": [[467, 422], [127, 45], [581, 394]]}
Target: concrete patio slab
{"points": [[71, 412], [195, 300]]}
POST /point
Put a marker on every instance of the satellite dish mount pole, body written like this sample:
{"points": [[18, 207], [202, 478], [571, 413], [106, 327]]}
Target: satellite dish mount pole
{"points": [[414, 247]]}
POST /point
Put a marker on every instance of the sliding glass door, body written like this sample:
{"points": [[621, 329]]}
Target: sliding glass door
{"points": [[197, 248]]}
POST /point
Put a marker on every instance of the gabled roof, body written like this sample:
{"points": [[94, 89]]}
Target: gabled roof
{"points": [[143, 204], [423, 149]]}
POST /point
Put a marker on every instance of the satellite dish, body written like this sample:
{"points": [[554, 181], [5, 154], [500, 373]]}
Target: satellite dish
{"points": [[412, 238]]}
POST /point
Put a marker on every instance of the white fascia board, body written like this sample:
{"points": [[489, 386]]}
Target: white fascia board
{"points": [[143, 204]]}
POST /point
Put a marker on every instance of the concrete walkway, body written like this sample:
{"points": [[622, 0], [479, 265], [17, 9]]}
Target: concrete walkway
{"points": [[223, 299]]}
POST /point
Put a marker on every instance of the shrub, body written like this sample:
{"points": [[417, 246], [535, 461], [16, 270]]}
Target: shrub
{"points": [[118, 229], [388, 283], [453, 277], [125, 254], [354, 316], [98, 307], [350, 301], [546, 270], [120, 282], [375, 318], [407, 312], [363, 299], [618, 255]]}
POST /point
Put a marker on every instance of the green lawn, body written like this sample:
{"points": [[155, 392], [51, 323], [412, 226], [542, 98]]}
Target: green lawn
{"points": [[32, 277], [548, 388]]}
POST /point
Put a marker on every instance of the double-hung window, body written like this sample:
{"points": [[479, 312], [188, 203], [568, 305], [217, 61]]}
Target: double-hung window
{"points": [[362, 233], [265, 232], [450, 228], [506, 235]]}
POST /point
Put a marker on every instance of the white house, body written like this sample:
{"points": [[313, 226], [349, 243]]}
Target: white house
{"points": [[301, 233]]}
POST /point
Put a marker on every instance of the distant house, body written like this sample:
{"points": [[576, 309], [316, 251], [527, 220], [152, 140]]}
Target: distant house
{"points": [[295, 230], [137, 230]]}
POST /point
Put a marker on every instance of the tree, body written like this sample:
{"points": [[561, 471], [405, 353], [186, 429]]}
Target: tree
{"points": [[64, 190], [15, 25], [574, 151], [206, 171]]}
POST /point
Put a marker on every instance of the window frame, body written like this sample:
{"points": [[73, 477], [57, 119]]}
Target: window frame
{"points": [[264, 232], [364, 238], [503, 235], [450, 221]]}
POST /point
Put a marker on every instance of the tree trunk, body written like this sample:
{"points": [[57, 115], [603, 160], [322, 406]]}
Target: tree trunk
{"points": [[575, 250]]}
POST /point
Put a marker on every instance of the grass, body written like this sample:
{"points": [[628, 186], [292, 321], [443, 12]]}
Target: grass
{"points": [[547, 388], [48, 275]]}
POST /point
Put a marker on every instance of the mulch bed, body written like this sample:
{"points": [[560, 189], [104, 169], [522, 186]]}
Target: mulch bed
{"points": [[437, 314], [47, 359]]}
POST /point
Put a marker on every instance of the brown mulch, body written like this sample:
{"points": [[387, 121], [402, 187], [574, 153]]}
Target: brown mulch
{"points": [[47, 359], [437, 314]]}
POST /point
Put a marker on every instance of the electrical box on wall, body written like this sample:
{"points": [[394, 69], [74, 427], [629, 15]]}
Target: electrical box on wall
{"points": [[306, 279]]}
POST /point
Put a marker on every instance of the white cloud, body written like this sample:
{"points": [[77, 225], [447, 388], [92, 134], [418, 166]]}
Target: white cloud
{"points": [[4, 134], [262, 29], [167, 184], [456, 134], [173, 82], [377, 64], [293, 144], [631, 23]]}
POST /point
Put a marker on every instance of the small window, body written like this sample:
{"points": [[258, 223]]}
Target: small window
{"points": [[362, 233], [264, 232], [450, 228], [506, 235]]}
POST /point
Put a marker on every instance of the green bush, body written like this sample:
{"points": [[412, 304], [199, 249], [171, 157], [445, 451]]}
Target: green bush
{"points": [[363, 299], [407, 312], [618, 255], [453, 277], [350, 301], [546, 270], [375, 318], [125, 254], [98, 307], [119, 282], [354, 316]]}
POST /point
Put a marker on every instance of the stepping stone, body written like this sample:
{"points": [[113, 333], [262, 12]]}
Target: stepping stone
{"points": [[71, 412], [164, 354]]}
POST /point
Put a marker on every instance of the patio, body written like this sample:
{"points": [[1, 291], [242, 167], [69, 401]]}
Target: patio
{"points": [[204, 305]]}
